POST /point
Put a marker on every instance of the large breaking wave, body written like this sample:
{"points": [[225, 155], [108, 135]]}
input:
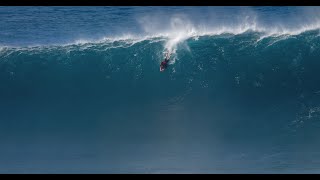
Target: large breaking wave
{"points": [[226, 88]]}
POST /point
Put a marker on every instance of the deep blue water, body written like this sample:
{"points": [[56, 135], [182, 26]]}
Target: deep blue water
{"points": [[81, 91]]}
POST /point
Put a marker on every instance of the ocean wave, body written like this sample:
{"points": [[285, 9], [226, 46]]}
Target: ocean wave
{"points": [[169, 40]]}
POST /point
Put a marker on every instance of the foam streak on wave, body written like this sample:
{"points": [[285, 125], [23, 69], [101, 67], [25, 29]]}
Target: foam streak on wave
{"points": [[182, 29]]}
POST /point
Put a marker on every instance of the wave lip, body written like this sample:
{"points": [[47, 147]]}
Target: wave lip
{"points": [[172, 38]]}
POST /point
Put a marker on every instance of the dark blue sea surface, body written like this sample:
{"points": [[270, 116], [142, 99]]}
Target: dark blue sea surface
{"points": [[81, 91]]}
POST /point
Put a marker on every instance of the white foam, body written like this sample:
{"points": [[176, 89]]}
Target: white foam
{"points": [[179, 28]]}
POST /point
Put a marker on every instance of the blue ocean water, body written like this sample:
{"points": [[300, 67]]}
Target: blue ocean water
{"points": [[81, 91]]}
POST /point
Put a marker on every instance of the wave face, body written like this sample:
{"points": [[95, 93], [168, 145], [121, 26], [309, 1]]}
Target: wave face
{"points": [[230, 103]]}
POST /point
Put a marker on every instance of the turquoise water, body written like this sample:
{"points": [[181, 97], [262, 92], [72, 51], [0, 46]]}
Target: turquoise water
{"points": [[81, 90]]}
